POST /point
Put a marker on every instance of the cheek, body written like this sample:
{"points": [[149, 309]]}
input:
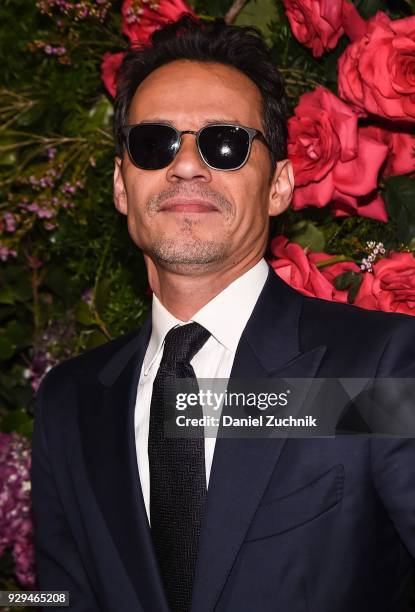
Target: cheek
{"points": [[250, 197], [137, 219], [136, 206], [137, 196]]}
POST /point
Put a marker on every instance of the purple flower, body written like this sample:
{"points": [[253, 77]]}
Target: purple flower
{"points": [[42, 213], [16, 527], [10, 220], [88, 296], [51, 152], [49, 226], [68, 188], [5, 253], [76, 10], [45, 213], [55, 344], [33, 207]]}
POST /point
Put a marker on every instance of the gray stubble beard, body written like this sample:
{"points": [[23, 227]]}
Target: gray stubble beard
{"points": [[190, 253], [186, 252]]}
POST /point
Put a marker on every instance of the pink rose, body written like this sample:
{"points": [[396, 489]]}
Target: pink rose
{"points": [[296, 268], [401, 158], [141, 18], [354, 24], [109, 68], [377, 72], [333, 160], [391, 286], [317, 24]]}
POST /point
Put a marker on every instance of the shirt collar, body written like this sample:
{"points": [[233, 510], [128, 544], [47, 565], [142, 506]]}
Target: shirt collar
{"points": [[224, 316]]}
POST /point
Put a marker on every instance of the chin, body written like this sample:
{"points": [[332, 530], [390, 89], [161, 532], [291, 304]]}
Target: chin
{"points": [[179, 252]]}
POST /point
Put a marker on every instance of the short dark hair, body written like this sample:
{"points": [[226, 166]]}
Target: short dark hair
{"points": [[188, 38]]}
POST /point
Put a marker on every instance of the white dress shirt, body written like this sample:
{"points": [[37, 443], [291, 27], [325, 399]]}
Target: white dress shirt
{"points": [[225, 317]]}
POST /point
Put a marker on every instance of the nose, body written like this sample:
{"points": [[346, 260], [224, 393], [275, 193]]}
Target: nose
{"points": [[188, 165]]}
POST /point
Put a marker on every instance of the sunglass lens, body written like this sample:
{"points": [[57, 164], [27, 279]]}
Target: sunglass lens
{"points": [[224, 147], [152, 146]]}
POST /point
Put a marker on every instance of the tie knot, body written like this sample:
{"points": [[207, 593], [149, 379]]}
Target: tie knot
{"points": [[182, 343]]}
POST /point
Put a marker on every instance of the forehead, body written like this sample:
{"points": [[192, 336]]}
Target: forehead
{"points": [[188, 93]]}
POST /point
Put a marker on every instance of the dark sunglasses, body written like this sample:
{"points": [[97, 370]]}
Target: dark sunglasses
{"points": [[152, 146]]}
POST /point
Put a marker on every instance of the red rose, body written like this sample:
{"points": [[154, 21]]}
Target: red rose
{"points": [[391, 286], [142, 17], [317, 24], [377, 72], [109, 68], [295, 267], [333, 160], [354, 24], [401, 158]]}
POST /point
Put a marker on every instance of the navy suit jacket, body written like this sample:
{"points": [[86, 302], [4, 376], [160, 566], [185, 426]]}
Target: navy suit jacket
{"points": [[292, 525]]}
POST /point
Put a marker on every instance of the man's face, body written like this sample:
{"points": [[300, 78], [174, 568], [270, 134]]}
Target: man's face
{"points": [[188, 217]]}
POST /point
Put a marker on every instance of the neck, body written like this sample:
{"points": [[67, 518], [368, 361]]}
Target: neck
{"points": [[184, 293]]}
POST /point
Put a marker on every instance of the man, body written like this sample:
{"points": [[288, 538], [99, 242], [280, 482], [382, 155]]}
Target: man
{"points": [[129, 519]]}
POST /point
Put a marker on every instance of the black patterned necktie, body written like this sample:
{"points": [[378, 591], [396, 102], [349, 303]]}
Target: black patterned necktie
{"points": [[177, 473]]}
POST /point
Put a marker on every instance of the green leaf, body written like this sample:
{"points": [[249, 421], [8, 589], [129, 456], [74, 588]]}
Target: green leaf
{"points": [[22, 288], [18, 334], [57, 281], [368, 8], [96, 338], [400, 192], [411, 3], [83, 314], [6, 312], [7, 348], [100, 114], [15, 420], [402, 226], [349, 281], [344, 281], [259, 13], [102, 294], [8, 158], [26, 429], [354, 288], [400, 198], [30, 116], [308, 235], [213, 8], [7, 296]]}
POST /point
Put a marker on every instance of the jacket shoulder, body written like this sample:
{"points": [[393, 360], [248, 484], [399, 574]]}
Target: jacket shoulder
{"points": [[364, 341], [339, 315]]}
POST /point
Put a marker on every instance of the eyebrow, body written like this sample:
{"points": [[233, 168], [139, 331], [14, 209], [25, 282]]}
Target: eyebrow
{"points": [[210, 121]]}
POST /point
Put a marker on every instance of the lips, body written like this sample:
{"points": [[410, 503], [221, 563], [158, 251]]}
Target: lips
{"points": [[192, 205]]}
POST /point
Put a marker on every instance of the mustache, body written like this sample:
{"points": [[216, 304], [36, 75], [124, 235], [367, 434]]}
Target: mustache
{"points": [[199, 191]]}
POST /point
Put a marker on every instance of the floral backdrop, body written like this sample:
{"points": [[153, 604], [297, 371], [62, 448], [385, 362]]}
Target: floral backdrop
{"points": [[71, 279]]}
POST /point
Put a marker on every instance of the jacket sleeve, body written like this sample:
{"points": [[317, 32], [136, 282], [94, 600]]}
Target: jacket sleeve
{"points": [[393, 459], [58, 562]]}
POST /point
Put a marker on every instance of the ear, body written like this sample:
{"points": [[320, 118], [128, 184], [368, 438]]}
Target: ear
{"points": [[282, 187], [120, 196]]}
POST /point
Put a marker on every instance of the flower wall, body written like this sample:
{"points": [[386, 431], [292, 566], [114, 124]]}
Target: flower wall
{"points": [[70, 277]]}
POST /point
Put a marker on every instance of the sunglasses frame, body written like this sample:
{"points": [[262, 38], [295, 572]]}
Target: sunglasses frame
{"points": [[252, 134]]}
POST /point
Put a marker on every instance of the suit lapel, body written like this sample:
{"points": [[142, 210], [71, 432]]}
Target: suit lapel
{"points": [[108, 439], [242, 467]]}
